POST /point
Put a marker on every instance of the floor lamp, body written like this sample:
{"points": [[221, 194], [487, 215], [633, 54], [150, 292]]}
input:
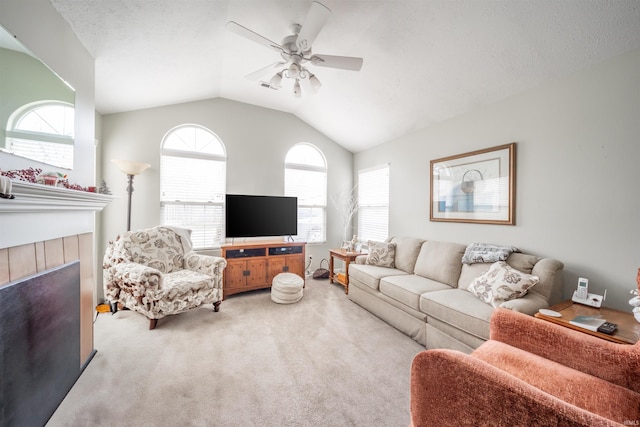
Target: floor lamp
{"points": [[130, 168]]}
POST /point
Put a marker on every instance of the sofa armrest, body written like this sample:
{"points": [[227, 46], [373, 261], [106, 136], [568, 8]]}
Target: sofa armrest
{"points": [[453, 388], [615, 363], [361, 259], [206, 264], [549, 271], [528, 304], [132, 278]]}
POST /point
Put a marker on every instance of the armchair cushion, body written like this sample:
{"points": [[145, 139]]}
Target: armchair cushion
{"points": [[450, 388], [577, 388], [615, 363]]}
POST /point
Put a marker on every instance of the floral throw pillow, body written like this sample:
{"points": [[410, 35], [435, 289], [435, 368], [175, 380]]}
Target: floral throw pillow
{"points": [[501, 283], [382, 254]]}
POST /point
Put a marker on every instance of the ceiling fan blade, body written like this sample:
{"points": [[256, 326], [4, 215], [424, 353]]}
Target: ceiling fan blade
{"points": [[262, 71], [341, 62], [315, 20], [234, 27]]}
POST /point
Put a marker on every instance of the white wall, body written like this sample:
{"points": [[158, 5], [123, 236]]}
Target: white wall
{"points": [[39, 27], [578, 158], [256, 139]]}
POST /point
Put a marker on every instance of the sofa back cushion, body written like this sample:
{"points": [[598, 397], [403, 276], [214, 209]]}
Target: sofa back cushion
{"points": [[441, 261], [407, 250]]}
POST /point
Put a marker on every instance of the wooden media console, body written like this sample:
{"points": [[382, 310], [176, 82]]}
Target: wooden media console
{"points": [[253, 265]]}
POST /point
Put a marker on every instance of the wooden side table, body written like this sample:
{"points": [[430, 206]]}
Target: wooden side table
{"points": [[347, 257], [628, 331]]}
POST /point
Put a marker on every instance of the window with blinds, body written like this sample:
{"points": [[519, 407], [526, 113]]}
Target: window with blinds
{"points": [[193, 184], [43, 131], [373, 204], [305, 177]]}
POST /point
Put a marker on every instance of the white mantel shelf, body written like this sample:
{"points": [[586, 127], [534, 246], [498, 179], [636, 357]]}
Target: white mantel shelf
{"points": [[31, 197], [42, 212]]}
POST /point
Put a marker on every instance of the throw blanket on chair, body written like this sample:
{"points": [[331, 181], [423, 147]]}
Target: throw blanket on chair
{"points": [[486, 252]]}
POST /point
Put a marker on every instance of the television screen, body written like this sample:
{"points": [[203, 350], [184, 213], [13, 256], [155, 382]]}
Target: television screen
{"points": [[259, 216]]}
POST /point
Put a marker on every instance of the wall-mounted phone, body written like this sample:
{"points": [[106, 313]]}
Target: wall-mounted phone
{"points": [[582, 295]]}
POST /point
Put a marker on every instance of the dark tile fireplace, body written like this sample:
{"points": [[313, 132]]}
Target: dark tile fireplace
{"points": [[39, 344]]}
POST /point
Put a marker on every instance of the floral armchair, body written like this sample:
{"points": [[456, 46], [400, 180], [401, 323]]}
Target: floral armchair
{"points": [[155, 272]]}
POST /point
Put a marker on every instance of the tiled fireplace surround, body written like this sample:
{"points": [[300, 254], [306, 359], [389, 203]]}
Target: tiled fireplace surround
{"points": [[45, 227]]}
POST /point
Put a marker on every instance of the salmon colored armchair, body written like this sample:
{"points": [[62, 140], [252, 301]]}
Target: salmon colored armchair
{"points": [[530, 373]]}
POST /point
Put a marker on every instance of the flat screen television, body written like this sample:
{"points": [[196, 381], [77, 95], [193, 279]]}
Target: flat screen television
{"points": [[260, 216]]}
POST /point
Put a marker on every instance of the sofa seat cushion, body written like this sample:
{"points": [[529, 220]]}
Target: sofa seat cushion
{"points": [[370, 275], [407, 289], [569, 385], [460, 309], [440, 261]]}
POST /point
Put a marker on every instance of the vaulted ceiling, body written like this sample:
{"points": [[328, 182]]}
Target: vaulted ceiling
{"points": [[424, 60]]}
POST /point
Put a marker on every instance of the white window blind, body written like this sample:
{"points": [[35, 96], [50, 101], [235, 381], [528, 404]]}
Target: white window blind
{"points": [[373, 204], [193, 184], [305, 177], [43, 131]]}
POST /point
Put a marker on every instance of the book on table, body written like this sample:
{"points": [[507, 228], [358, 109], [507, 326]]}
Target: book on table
{"points": [[591, 323]]}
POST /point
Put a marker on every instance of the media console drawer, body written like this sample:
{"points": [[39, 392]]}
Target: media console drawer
{"points": [[286, 250], [252, 266], [245, 253]]}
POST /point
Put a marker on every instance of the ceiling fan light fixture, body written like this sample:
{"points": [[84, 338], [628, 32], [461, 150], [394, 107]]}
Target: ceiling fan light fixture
{"points": [[295, 50], [315, 82], [276, 80], [294, 70], [297, 90]]}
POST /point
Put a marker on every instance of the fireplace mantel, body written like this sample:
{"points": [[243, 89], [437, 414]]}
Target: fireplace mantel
{"points": [[42, 212]]}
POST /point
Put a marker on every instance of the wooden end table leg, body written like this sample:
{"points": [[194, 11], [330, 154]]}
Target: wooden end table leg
{"points": [[346, 276], [330, 268]]}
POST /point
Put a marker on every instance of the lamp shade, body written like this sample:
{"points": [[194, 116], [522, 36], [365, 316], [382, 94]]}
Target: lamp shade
{"points": [[315, 83], [276, 80], [297, 90], [131, 167]]}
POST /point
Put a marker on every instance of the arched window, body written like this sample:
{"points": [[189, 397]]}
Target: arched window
{"points": [[193, 174], [305, 177], [43, 131]]}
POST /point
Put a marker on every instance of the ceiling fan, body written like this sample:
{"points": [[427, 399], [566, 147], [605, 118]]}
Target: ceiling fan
{"points": [[295, 51]]}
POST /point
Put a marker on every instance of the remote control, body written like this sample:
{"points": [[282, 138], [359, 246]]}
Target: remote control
{"points": [[607, 328]]}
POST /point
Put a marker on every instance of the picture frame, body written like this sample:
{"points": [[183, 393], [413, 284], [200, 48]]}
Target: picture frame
{"points": [[475, 187]]}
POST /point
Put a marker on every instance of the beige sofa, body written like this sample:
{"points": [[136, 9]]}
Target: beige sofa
{"points": [[426, 293]]}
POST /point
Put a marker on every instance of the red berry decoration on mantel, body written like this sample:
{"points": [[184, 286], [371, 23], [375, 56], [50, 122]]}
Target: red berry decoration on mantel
{"points": [[32, 175]]}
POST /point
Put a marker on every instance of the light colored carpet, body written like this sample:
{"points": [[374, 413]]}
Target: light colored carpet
{"points": [[323, 361]]}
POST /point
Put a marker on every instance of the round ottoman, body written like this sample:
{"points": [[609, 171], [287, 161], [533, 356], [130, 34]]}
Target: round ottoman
{"points": [[286, 288]]}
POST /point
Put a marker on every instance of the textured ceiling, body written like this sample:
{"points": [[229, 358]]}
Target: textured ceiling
{"points": [[424, 60]]}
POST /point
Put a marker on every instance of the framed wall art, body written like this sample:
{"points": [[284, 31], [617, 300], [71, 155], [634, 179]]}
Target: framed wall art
{"points": [[476, 187]]}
